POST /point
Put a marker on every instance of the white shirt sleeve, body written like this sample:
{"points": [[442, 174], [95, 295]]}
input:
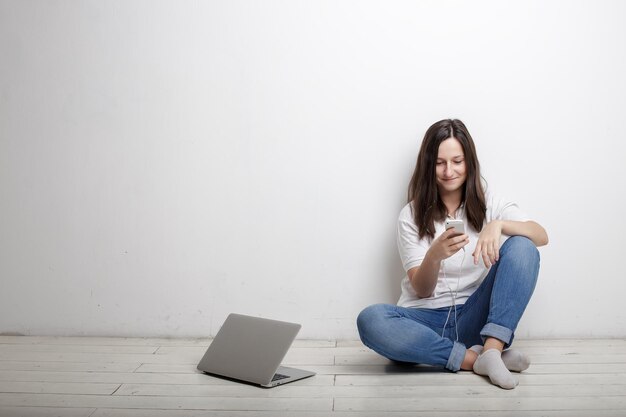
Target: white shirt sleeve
{"points": [[504, 209], [412, 250]]}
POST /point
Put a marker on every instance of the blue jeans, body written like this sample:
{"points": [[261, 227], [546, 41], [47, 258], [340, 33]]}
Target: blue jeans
{"points": [[415, 334]]}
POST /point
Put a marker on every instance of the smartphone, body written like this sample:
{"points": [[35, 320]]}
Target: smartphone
{"points": [[457, 225]]}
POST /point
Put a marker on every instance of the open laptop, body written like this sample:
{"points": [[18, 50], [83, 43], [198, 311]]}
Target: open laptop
{"points": [[250, 349]]}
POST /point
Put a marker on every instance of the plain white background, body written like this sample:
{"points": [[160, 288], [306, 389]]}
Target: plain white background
{"points": [[164, 163]]}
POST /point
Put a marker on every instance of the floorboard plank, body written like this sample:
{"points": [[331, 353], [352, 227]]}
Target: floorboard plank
{"points": [[294, 357], [480, 404], [499, 413], [7, 350], [59, 388], [137, 341], [45, 412], [136, 378], [68, 366], [166, 403], [468, 378]]}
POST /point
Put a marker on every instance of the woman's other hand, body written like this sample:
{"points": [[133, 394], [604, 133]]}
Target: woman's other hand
{"points": [[488, 245]]}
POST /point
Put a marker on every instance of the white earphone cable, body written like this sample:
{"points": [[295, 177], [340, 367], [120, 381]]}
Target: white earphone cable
{"points": [[453, 295]]}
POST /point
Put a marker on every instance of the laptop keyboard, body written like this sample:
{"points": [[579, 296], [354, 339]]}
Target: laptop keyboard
{"points": [[278, 377]]}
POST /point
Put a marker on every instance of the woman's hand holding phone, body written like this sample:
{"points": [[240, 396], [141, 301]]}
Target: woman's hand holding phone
{"points": [[449, 243]]}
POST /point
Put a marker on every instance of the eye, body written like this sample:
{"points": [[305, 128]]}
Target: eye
{"points": [[459, 162]]}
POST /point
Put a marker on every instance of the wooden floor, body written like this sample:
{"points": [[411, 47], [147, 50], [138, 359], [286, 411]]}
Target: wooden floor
{"points": [[114, 377]]}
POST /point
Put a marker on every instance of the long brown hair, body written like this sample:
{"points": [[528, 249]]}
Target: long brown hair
{"points": [[426, 204]]}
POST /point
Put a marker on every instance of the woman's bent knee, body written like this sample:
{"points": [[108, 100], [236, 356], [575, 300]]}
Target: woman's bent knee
{"points": [[371, 318], [521, 246], [369, 315]]}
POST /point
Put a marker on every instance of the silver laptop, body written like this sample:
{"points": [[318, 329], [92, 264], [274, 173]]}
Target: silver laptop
{"points": [[250, 349]]}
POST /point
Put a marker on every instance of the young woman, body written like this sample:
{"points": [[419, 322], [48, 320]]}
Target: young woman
{"points": [[463, 294]]}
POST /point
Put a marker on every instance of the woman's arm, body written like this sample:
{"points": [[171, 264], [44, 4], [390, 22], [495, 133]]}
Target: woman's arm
{"points": [[532, 230], [529, 229], [489, 239], [424, 278]]}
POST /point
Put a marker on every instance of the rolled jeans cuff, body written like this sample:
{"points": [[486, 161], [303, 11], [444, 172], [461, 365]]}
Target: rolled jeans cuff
{"points": [[456, 357], [499, 332]]}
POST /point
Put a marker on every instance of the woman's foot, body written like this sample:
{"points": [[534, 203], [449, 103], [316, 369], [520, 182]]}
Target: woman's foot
{"points": [[490, 364], [513, 359]]}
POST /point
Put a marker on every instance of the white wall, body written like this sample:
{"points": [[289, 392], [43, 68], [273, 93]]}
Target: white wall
{"points": [[164, 163]]}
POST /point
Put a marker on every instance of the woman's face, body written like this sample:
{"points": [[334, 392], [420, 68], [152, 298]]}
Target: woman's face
{"points": [[450, 168]]}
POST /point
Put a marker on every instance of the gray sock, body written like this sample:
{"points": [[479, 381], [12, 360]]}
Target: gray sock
{"points": [[490, 364], [513, 359]]}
